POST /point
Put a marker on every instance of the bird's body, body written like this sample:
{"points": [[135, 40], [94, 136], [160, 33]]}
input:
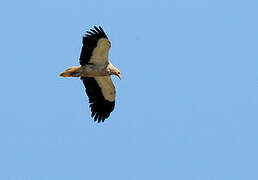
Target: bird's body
{"points": [[95, 71], [91, 70]]}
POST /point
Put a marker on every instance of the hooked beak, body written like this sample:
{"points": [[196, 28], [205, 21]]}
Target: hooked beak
{"points": [[118, 75]]}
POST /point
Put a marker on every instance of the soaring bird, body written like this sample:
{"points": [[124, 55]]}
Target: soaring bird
{"points": [[95, 71]]}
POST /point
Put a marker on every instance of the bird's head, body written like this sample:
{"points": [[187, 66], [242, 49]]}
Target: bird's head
{"points": [[117, 73], [113, 71]]}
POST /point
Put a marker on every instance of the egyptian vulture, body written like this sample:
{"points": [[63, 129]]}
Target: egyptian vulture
{"points": [[95, 71]]}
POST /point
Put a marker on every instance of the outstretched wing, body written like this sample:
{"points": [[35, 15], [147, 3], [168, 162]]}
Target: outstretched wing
{"points": [[101, 93], [95, 47]]}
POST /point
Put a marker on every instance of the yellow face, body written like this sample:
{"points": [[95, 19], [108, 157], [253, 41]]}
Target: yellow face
{"points": [[118, 74]]}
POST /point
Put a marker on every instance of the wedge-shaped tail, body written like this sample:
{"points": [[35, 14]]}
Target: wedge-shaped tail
{"points": [[72, 72]]}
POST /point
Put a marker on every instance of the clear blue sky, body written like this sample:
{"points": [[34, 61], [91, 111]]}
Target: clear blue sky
{"points": [[187, 105]]}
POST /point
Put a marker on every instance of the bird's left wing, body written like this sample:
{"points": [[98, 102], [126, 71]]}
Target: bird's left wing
{"points": [[101, 93], [95, 47]]}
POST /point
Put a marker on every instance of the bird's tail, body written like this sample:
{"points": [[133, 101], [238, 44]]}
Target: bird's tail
{"points": [[72, 72]]}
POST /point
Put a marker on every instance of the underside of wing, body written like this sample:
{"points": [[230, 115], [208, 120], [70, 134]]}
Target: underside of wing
{"points": [[101, 93], [95, 47]]}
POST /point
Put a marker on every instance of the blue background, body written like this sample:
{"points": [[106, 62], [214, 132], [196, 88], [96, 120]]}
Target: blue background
{"points": [[186, 106]]}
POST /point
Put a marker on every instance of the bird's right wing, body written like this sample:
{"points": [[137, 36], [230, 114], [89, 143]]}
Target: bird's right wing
{"points": [[95, 47], [101, 93]]}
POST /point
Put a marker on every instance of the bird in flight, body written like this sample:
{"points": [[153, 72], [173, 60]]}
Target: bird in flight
{"points": [[95, 71]]}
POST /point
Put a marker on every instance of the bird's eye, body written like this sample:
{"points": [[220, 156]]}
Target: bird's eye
{"points": [[118, 72]]}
